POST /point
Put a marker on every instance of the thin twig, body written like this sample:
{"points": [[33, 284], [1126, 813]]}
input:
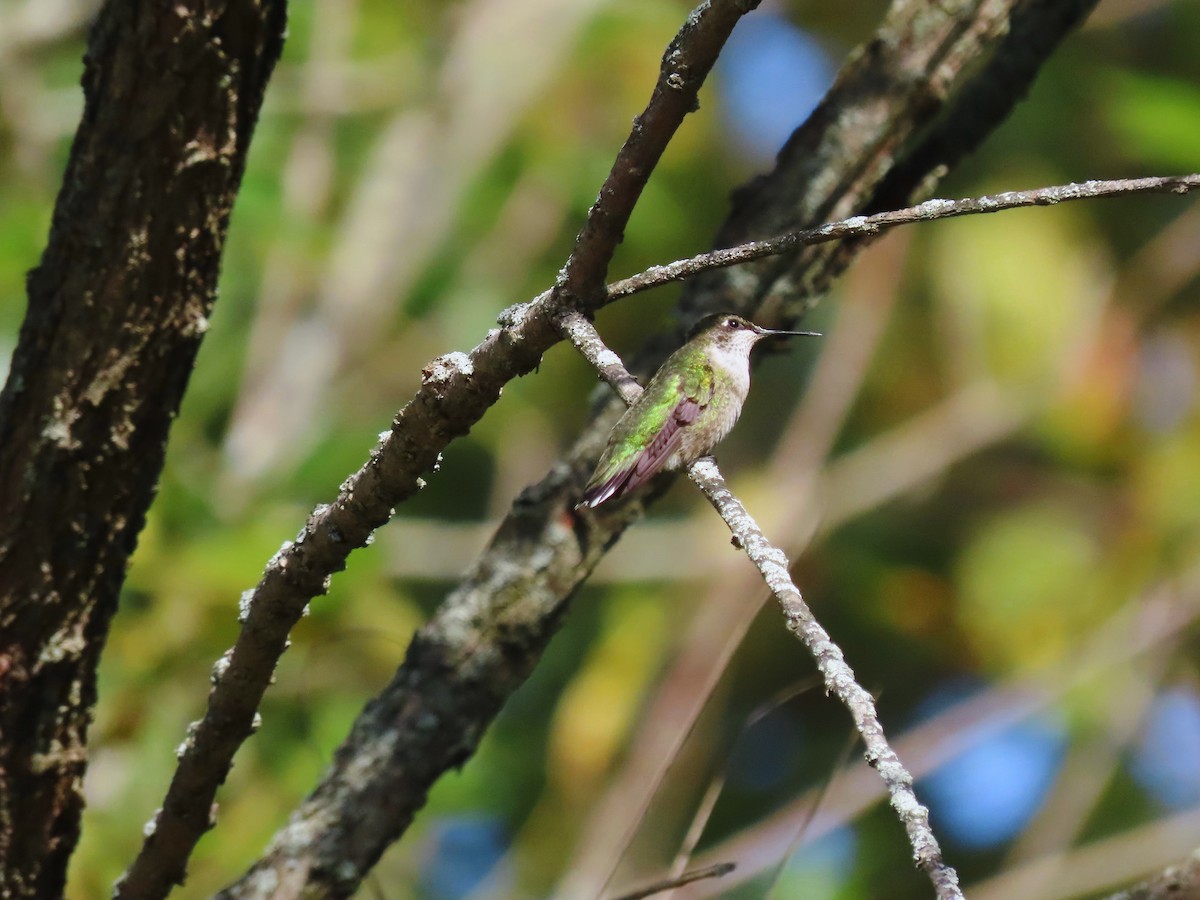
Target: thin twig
{"points": [[669, 884], [839, 678], [580, 332], [866, 226], [716, 786], [809, 814]]}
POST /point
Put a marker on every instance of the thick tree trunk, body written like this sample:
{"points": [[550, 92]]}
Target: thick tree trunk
{"points": [[117, 309]]}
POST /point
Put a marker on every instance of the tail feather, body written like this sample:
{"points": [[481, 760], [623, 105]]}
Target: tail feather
{"points": [[598, 492]]}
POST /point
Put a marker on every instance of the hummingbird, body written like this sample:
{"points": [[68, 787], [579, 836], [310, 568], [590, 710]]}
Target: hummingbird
{"points": [[689, 405]]}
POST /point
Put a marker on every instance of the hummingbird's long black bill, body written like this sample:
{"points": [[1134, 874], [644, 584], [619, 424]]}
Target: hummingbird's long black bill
{"points": [[771, 332]]}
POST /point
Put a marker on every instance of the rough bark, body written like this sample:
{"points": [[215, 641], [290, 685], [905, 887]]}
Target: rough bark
{"points": [[491, 630], [117, 308]]}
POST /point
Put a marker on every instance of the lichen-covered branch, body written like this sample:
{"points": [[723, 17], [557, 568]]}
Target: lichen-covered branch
{"points": [[876, 224], [839, 677]]}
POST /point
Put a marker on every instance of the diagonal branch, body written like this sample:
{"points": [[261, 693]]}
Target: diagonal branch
{"points": [[839, 677], [456, 391]]}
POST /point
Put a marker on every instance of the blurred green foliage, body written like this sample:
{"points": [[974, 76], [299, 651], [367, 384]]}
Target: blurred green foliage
{"points": [[420, 167]]}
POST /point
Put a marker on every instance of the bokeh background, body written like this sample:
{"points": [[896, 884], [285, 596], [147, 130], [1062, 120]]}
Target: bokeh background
{"points": [[988, 471]]}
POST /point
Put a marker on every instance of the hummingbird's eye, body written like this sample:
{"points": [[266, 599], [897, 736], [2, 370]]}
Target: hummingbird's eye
{"points": [[732, 323]]}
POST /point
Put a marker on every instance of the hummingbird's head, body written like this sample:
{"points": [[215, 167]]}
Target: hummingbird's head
{"points": [[733, 334]]}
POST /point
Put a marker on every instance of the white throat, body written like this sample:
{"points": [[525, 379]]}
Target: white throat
{"points": [[733, 358]]}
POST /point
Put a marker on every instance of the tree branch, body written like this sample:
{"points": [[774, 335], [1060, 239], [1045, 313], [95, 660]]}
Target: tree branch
{"points": [[839, 677], [873, 225], [456, 391], [669, 884]]}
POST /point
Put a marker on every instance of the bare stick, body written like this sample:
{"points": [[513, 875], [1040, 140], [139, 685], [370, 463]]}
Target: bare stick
{"points": [[839, 678], [867, 226], [669, 884]]}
